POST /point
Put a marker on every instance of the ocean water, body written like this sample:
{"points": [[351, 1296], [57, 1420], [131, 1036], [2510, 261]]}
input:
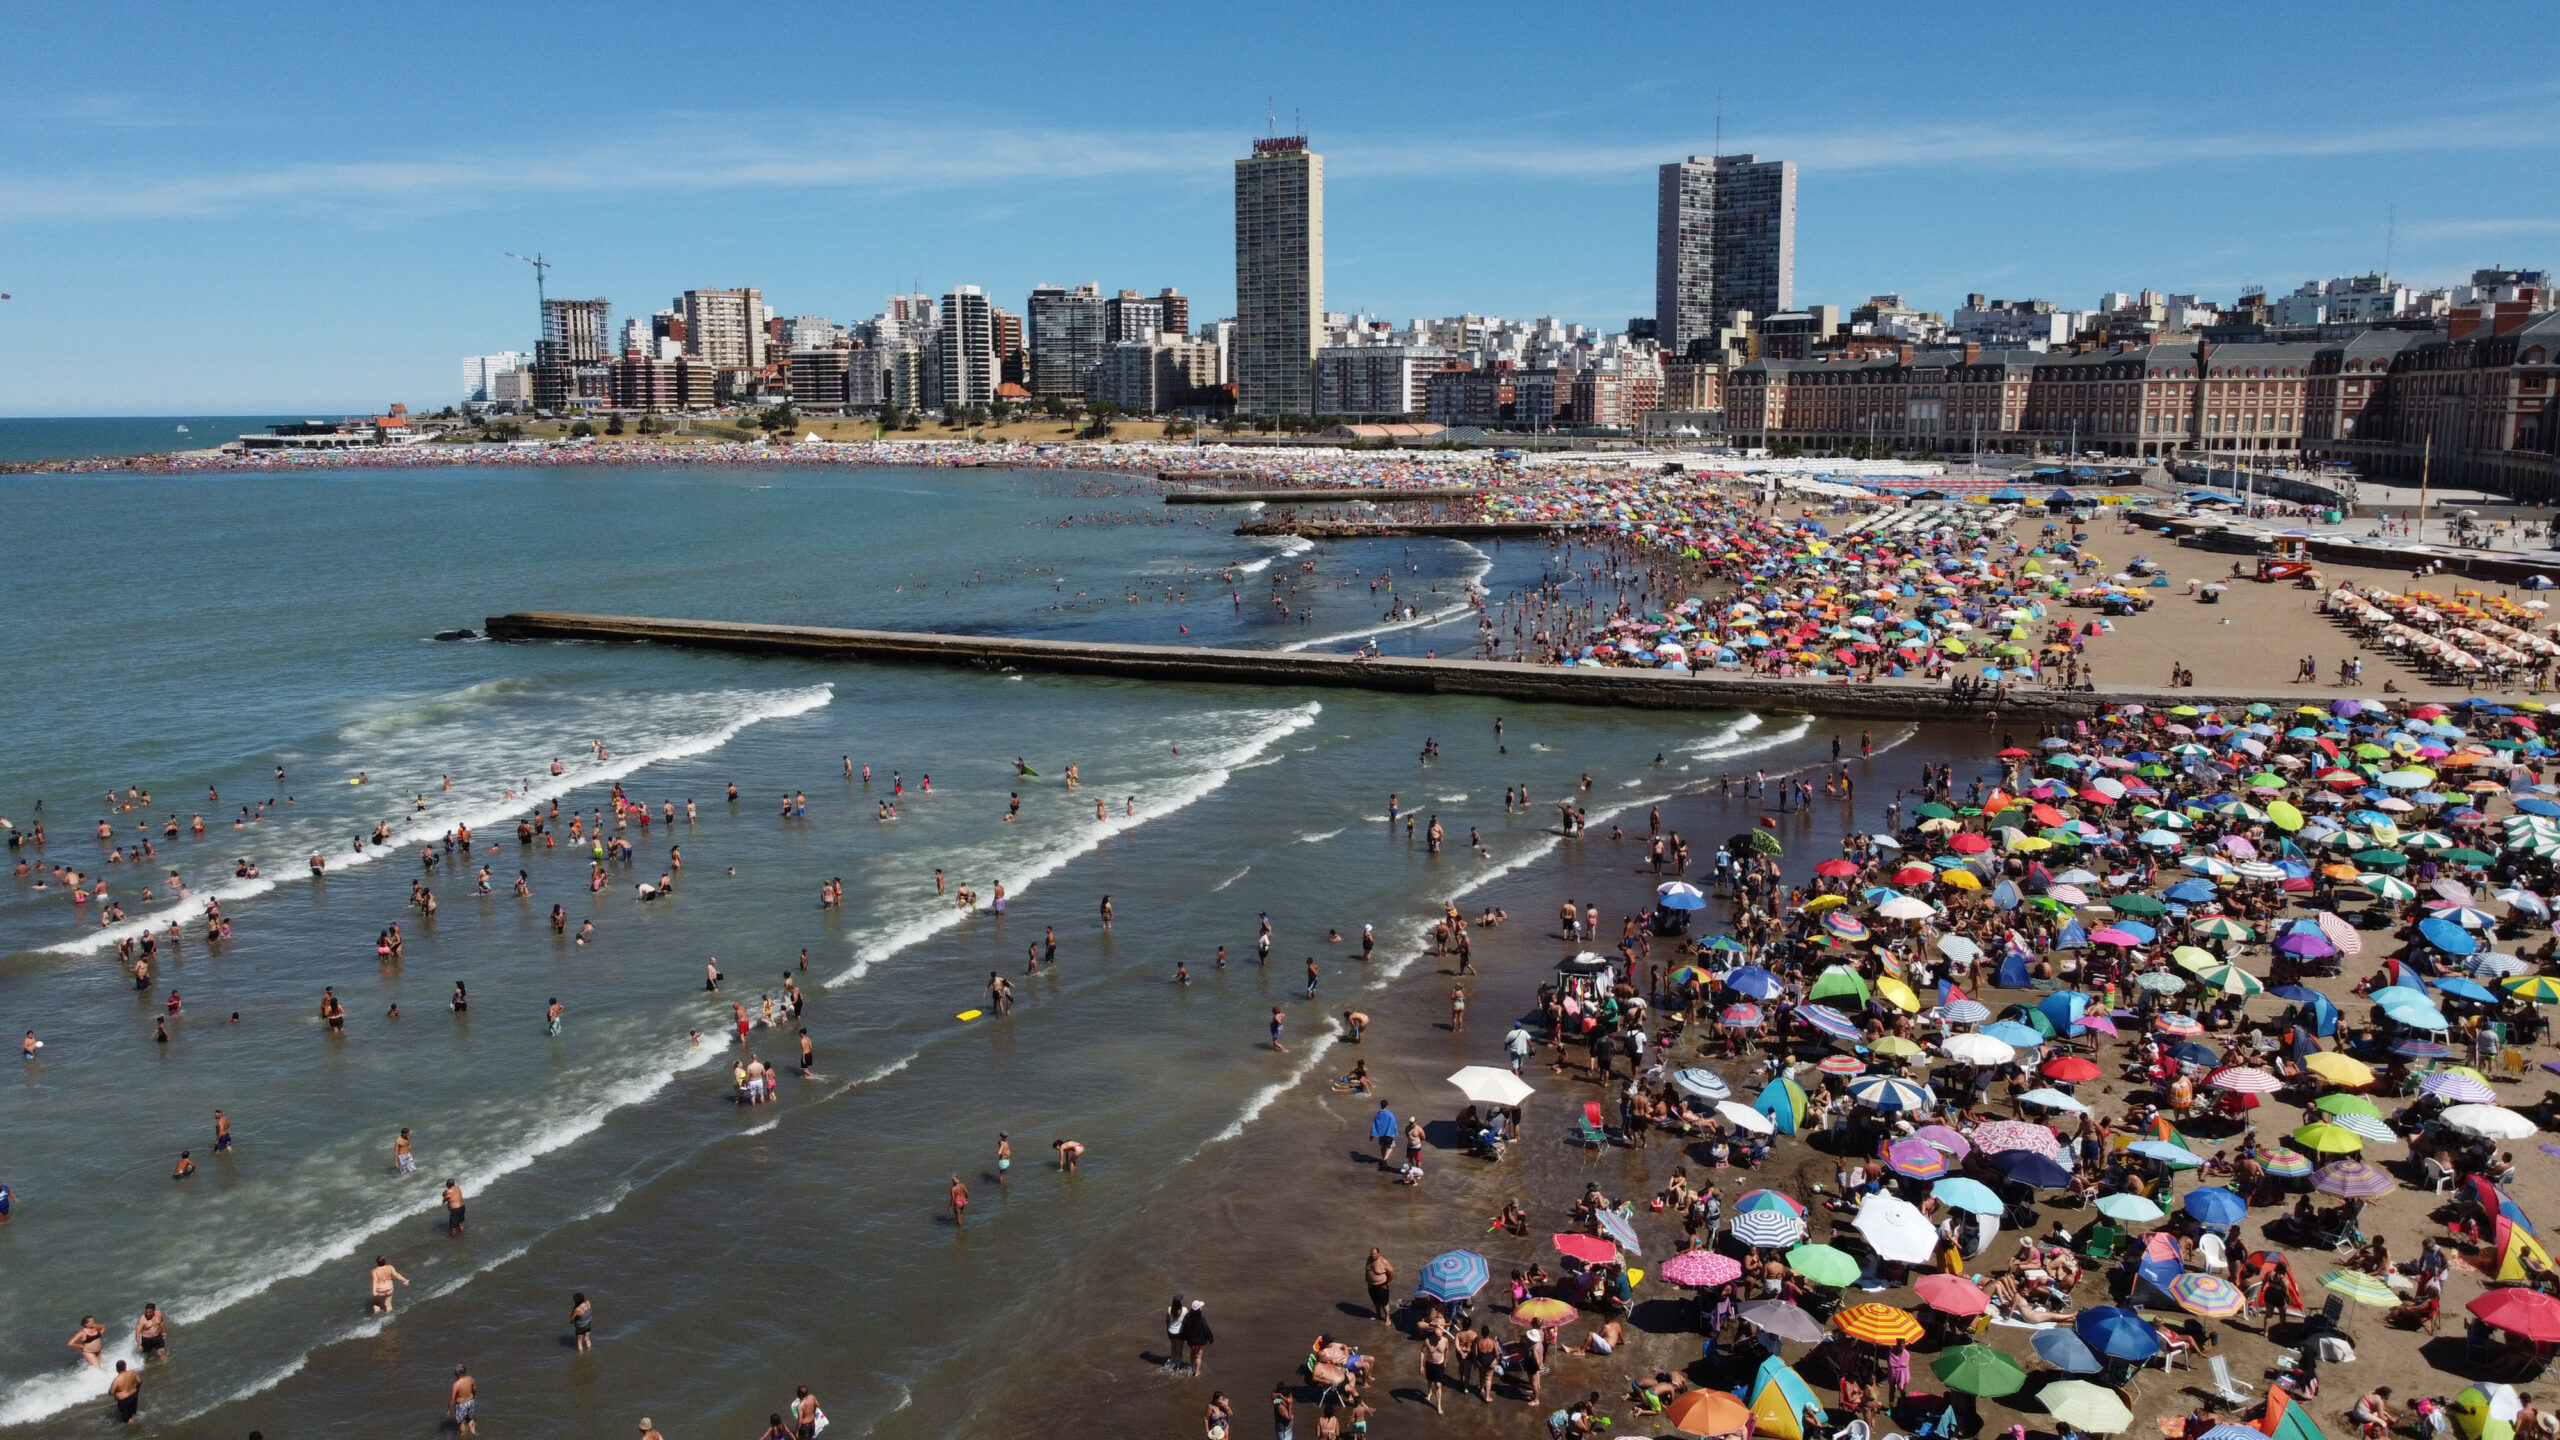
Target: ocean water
{"points": [[187, 638], [84, 437]]}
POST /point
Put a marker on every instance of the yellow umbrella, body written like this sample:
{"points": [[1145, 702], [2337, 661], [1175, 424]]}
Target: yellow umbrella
{"points": [[1820, 903], [1899, 993], [2018, 840], [2191, 958], [2338, 1069], [1895, 1044], [1961, 879]]}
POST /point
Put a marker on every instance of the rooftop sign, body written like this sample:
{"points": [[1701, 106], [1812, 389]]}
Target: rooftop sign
{"points": [[1280, 145]]}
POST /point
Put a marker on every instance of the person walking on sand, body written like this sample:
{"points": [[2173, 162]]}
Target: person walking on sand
{"points": [[1458, 1009]]}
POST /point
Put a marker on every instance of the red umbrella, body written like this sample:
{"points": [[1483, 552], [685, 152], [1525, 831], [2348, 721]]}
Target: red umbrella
{"points": [[2012, 753], [1840, 868], [1914, 875], [1589, 1249], [1969, 843], [2070, 1069], [2519, 1311], [1952, 1294]]}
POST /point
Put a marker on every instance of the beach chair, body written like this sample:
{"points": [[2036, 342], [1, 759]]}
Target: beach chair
{"points": [[1854, 1430], [1591, 1132], [2106, 1240], [2209, 1250], [2230, 1391], [2434, 1174]]}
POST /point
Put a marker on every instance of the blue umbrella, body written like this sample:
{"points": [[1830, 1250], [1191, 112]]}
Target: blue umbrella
{"points": [[2068, 1352], [1968, 1194], [2011, 1032], [2135, 928], [2113, 1330], [2029, 1168], [2417, 1016], [2191, 1053], [2462, 989], [1681, 900], [1829, 1021], [2215, 1205], [2177, 1155], [1753, 981], [1457, 1275], [2447, 936], [2536, 805], [2190, 892]]}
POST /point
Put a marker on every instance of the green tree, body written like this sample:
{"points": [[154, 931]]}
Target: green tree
{"points": [[649, 423], [613, 425], [582, 431]]}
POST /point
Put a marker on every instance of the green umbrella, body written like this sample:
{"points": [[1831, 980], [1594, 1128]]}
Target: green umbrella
{"points": [[1932, 810], [2379, 859], [1979, 1370], [1823, 1265], [2347, 1105], [2128, 1207], [2084, 1406], [2388, 887], [1841, 980], [2222, 927], [2465, 856], [2324, 1138], [2137, 905], [2231, 980], [1762, 842]]}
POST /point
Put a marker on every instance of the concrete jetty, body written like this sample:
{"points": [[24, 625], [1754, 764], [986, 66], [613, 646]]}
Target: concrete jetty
{"points": [[1320, 494], [1367, 529], [1545, 684]]}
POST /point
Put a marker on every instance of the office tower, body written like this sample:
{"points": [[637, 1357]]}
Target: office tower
{"points": [[1011, 365], [1130, 316], [724, 328], [968, 349], [1066, 337], [1279, 276], [1177, 310], [1725, 241]]}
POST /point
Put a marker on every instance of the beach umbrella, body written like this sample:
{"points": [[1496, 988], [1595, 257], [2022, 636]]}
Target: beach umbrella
{"points": [[2286, 1164], [2066, 1351], [2086, 1407], [2344, 1104], [2176, 1157], [2487, 1411], [1618, 1227], [2520, 1311], [1891, 1093], [2215, 1205], [1542, 1311], [2458, 1089], [1754, 1201], [1786, 1321], [1916, 1158], [1951, 1295], [1896, 1045], [1589, 1249], [1455, 1276], [2338, 1069], [1768, 1227], [2130, 1208], [2370, 1127], [2012, 1033], [1698, 1268], [1897, 1229], [2054, 1100], [1997, 1136], [2114, 1330], [2178, 1025], [2026, 1167], [1707, 1413], [1705, 1084], [1824, 1265], [2489, 1122], [1978, 1369], [2069, 1069], [1841, 1065], [2222, 927], [1877, 1324], [1744, 1017], [1491, 1085], [2447, 936], [1829, 1021], [1967, 1194], [1743, 1116], [2326, 1139], [2208, 1295], [1977, 1049], [2471, 990], [1840, 980], [2361, 1288], [2387, 887], [2245, 1080], [2540, 989]]}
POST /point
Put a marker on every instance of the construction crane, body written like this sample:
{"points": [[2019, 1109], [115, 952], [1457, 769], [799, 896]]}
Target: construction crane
{"points": [[540, 267]]}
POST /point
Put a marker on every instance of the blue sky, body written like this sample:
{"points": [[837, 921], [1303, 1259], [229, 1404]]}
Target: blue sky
{"points": [[253, 208]]}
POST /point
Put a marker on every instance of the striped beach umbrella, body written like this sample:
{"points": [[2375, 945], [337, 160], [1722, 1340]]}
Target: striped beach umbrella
{"points": [[2286, 1164], [1752, 1201], [1457, 1275], [2177, 1025], [1877, 1324], [2361, 1288], [1829, 1021], [2245, 1080], [2370, 1127], [1842, 1065], [2458, 1089], [1767, 1227], [1890, 1093], [2208, 1295], [1745, 1017], [2353, 1179], [2223, 927], [2540, 989], [1915, 1158], [1965, 1012], [1543, 1310]]}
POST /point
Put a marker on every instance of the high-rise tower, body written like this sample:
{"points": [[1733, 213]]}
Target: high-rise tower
{"points": [[1279, 276], [1725, 242]]}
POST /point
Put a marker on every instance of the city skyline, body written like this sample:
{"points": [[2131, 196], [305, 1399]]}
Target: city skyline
{"points": [[335, 242]]}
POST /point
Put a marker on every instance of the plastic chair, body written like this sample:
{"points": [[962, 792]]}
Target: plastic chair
{"points": [[2437, 1178], [2209, 1250], [2105, 1240], [2230, 1391]]}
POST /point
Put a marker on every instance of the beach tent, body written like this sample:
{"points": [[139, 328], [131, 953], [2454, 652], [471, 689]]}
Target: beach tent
{"points": [[2286, 1419], [2516, 1246], [1784, 1102], [1779, 1398], [2160, 1263], [2013, 971]]}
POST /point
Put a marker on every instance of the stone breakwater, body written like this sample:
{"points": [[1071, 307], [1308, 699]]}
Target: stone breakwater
{"points": [[1564, 685]]}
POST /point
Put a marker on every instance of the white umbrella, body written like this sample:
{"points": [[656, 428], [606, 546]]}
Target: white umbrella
{"points": [[1488, 1085], [1743, 1116], [1897, 1229], [2489, 1122], [1958, 948], [1978, 1049], [1679, 887], [1905, 907]]}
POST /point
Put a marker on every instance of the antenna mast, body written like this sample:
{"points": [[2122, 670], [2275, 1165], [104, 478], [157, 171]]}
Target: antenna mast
{"points": [[1719, 122]]}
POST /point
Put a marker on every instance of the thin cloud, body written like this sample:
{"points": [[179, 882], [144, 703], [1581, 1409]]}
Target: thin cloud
{"points": [[877, 156], [2486, 229]]}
